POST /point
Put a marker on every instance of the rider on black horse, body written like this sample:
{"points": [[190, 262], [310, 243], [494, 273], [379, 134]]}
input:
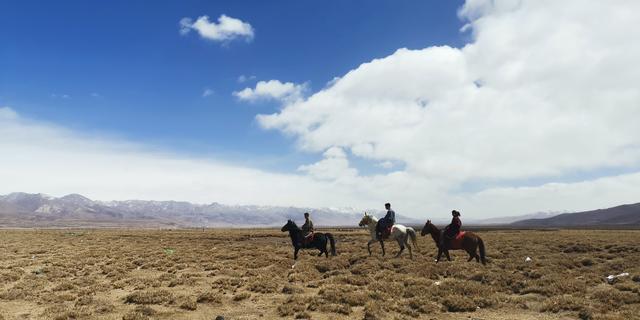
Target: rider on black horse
{"points": [[386, 222], [307, 229], [452, 230]]}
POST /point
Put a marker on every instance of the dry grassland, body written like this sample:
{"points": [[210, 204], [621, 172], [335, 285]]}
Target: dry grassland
{"points": [[249, 274]]}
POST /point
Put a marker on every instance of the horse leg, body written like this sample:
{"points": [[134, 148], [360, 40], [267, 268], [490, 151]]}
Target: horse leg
{"points": [[446, 253], [471, 256], [326, 252], [406, 242], [369, 246], [295, 253], [401, 247], [382, 245], [439, 255]]}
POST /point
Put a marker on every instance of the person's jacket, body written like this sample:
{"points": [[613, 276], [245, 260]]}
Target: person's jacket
{"points": [[390, 217], [307, 227], [455, 225]]}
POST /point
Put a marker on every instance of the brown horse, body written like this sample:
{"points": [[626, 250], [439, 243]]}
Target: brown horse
{"points": [[469, 242]]}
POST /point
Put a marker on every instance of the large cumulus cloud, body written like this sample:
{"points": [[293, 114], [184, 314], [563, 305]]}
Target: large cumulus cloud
{"points": [[545, 91]]}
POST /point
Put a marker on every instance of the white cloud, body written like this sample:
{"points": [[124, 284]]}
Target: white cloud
{"points": [[386, 164], [226, 29], [272, 89], [207, 92], [544, 91], [334, 166], [242, 78], [40, 157], [7, 113]]}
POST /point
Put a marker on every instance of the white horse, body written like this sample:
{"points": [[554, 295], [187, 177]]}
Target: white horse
{"points": [[399, 233]]}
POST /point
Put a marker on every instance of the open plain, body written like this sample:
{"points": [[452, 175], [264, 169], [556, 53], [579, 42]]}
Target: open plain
{"points": [[250, 273]]}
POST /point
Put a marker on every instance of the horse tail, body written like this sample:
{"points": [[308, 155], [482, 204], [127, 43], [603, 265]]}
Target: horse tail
{"points": [[412, 234], [482, 251], [332, 242]]}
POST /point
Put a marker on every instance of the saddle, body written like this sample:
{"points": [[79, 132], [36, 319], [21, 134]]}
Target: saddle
{"points": [[308, 239], [454, 242], [386, 232]]}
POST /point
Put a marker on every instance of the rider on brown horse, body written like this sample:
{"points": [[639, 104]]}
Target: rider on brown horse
{"points": [[452, 230]]}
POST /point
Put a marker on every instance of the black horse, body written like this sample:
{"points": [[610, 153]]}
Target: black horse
{"points": [[319, 240]]}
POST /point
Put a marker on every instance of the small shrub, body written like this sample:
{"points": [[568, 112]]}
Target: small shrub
{"points": [[335, 308], [372, 311], [459, 304], [241, 296], [209, 297], [290, 289], [585, 314], [188, 304], [587, 262], [150, 297], [263, 286], [290, 307], [562, 303]]}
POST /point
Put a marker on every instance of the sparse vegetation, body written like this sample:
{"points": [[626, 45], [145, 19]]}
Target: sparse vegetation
{"points": [[117, 274]]}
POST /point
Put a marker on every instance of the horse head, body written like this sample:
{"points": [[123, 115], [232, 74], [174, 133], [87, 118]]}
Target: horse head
{"points": [[427, 228], [365, 220], [288, 226]]}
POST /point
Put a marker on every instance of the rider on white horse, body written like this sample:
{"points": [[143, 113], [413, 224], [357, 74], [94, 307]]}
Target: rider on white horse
{"points": [[386, 222], [399, 233]]}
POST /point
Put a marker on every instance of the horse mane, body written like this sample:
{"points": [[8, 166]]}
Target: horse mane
{"points": [[435, 234], [295, 226]]}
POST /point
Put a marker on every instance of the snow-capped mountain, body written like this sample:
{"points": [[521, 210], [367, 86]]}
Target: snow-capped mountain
{"points": [[39, 210]]}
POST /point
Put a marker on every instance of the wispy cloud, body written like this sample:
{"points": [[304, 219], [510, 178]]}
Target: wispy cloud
{"points": [[41, 157], [207, 92], [226, 29], [272, 89], [243, 78]]}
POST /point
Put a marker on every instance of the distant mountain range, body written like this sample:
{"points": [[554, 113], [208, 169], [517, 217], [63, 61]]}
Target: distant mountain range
{"points": [[511, 219], [24, 210], [627, 215]]}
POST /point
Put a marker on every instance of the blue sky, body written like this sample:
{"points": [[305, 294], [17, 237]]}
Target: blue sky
{"points": [[126, 70], [343, 103]]}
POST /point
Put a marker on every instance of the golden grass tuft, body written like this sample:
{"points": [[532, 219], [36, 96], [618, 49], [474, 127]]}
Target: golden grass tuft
{"points": [[150, 297]]}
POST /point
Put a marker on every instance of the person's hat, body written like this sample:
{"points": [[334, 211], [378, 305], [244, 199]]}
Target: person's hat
{"points": [[306, 213], [387, 204], [455, 213]]}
